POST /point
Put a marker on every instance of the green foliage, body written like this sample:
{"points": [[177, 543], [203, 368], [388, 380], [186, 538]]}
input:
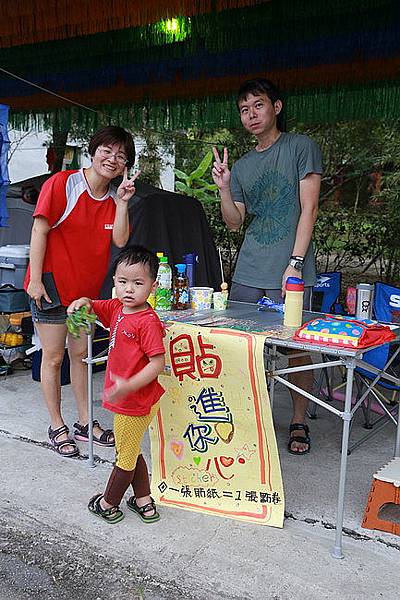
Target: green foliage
{"points": [[191, 144], [80, 321], [152, 159], [194, 184], [198, 184]]}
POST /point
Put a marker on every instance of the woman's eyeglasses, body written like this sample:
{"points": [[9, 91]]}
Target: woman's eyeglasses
{"points": [[107, 153]]}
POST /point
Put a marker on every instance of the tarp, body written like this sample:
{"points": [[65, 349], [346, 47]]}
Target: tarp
{"points": [[19, 212], [4, 178]]}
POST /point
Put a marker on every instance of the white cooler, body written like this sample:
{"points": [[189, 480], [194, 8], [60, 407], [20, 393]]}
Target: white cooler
{"points": [[13, 264]]}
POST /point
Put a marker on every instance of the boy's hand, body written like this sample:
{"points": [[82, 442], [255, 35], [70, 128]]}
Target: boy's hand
{"points": [[120, 388], [77, 304], [220, 172]]}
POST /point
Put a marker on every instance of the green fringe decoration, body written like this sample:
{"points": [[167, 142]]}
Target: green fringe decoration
{"points": [[312, 106]]}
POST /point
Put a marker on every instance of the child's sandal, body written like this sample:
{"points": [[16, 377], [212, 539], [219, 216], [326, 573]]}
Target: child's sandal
{"points": [[142, 510], [111, 515]]}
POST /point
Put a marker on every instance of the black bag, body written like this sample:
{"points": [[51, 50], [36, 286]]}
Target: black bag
{"points": [[13, 300]]}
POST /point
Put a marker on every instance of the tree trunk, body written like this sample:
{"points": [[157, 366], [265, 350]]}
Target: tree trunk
{"points": [[59, 144]]}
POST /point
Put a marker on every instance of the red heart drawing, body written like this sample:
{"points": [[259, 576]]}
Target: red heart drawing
{"points": [[226, 461]]}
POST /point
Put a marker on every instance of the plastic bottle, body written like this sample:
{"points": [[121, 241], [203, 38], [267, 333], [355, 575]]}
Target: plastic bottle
{"points": [[294, 302], [180, 293], [365, 293], [152, 298], [164, 280]]}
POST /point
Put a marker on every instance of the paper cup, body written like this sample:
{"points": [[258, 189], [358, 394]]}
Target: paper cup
{"points": [[220, 300], [200, 297]]}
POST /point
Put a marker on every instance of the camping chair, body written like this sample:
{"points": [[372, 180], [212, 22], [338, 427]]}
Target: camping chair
{"points": [[383, 397], [324, 298], [326, 292]]}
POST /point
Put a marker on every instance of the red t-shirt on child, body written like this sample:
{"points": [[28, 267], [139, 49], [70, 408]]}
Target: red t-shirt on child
{"points": [[134, 338]]}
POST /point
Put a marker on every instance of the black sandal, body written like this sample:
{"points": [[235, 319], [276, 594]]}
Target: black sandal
{"points": [[299, 438], [106, 439], [142, 510], [111, 515], [58, 446]]}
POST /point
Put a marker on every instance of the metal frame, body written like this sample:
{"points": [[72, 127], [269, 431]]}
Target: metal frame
{"points": [[90, 361]]}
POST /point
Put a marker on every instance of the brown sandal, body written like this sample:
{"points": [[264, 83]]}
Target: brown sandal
{"points": [[106, 439], [299, 439], [59, 445]]}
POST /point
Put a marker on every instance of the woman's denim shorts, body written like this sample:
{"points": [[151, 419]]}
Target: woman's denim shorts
{"points": [[54, 316]]}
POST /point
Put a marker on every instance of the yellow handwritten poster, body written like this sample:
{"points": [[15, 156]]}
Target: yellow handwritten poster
{"points": [[213, 441]]}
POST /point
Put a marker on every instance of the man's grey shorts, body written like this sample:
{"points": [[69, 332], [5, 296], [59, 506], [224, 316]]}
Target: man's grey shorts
{"points": [[245, 293], [53, 316]]}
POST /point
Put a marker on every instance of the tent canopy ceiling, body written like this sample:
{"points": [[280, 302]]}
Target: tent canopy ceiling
{"points": [[178, 64]]}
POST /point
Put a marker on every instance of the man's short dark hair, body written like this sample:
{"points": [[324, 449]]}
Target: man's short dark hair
{"points": [[259, 86], [133, 255], [107, 136]]}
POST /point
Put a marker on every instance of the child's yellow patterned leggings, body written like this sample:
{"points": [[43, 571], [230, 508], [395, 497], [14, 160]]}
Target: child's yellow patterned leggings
{"points": [[130, 466]]}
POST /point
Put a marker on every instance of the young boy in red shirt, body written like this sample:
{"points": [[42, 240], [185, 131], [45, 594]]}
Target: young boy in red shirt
{"points": [[131, 388]]}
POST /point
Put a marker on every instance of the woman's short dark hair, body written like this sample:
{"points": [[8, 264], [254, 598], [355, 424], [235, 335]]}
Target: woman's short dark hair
{"points": [[132, 255], [107, 136], [259, 86]]}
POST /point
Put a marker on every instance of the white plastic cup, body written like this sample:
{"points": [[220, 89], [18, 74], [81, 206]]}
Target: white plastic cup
{"points": [[200, 297], [220, 300]]}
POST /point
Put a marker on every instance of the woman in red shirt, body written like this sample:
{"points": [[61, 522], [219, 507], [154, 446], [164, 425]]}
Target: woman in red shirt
{"points": [[77, 216]]}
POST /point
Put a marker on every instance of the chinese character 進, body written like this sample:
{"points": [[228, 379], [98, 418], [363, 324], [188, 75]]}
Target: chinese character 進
{"points": [[198, 437], [210, 406]]}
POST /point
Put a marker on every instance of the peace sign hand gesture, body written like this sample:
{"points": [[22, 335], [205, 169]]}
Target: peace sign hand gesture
{"points": [[127, 188], [220, 172]]}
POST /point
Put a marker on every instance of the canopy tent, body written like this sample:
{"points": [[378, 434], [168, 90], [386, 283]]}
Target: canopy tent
{"points": [[178, 64]]}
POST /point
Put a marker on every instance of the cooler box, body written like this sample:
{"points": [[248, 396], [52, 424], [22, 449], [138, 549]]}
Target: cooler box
{"points": [[13, 264]]}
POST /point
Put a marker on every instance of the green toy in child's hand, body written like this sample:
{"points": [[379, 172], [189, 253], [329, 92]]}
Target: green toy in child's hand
{"points": [[80, 320]]}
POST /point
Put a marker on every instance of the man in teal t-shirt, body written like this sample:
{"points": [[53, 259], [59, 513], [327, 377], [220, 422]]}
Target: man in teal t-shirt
{"points": [[278, 185]]}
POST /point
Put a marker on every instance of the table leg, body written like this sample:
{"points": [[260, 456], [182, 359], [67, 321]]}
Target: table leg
{"points": [[337, 551], [397, 446], [271, 379], [90, 397]]}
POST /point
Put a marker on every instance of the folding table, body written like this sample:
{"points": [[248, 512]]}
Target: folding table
{"points": [[247, 317]]}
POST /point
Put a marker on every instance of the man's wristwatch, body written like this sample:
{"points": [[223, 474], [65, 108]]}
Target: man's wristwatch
{"points": [[297, 262]]}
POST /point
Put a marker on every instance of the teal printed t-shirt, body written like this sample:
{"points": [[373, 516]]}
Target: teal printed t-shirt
{"points": [[268, 183]]}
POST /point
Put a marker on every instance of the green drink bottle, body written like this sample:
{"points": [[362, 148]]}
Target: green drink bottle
{"points": [[164, 280]]}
